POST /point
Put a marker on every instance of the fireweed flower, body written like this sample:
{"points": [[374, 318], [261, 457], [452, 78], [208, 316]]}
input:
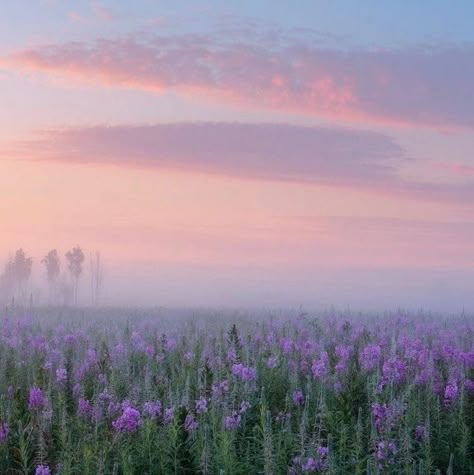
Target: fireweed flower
{"points": [[451, 392], [170, 344], [105, 398], [286, 345], [84, 408], [314, 464], [61, 375], [246, 373], [244, 407], [220, 388], [232, 422], [310, 465], [36, 400], [42, 470], [237, 369], [385, 452], [272, 362], [201, 405], [152, 409], [343, 354], [298, 398], [129, 421], [380, 414], [369, 358], [393, 370], [168, 415], [4, 431], [190, 424], [231, 356], [319, 367], [469, 385]]}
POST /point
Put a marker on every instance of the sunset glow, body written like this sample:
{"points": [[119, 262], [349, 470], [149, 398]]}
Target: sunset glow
{"points": [[219, 153]]}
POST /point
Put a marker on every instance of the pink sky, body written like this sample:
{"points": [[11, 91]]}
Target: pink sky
{"points": [[214, 167]]}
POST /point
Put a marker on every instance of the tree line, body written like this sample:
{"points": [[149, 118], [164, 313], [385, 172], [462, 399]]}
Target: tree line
{"points": [[63, 285]]}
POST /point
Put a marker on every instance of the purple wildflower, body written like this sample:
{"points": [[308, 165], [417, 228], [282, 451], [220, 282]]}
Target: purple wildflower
{"points": [[152, 409], [246, 373], [310, 465], [298, 398], [420, 433], [36, 400], [272, 362], [220, 388], [394, 370], [190, 424], [370, 356], [129, 421], [385, 452], [168, 415], [451, 392], [4, 431], [61, 375], [319, 367], [42, 470], [84, 408], [469, 385], [201, 405], [231, 356], [232, 422], [286, 345]]}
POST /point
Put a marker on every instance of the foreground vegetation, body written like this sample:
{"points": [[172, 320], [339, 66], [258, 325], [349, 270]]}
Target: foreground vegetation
{"points": [[118, 392]]}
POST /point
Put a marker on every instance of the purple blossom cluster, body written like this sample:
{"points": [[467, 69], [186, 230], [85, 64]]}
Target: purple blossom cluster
{"points": [[129, 420], [245, 373], [281, 376], [316, 463], [36, 399], [190, 423], [153, 409], [42, 470], [4, 431]]}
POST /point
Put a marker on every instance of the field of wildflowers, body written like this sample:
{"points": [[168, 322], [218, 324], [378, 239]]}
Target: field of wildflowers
{"points": [[181, 392]]}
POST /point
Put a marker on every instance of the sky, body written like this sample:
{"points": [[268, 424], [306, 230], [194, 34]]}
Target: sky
{"points": [[244, 153]]}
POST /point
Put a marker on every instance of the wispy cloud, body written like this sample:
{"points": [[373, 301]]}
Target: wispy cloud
{"points": [[459, 169], [278, 152], [273, 71], [264, 151], [98, 12]]}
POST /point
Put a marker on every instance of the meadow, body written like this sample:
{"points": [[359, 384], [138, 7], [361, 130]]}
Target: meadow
{"points": [[117, 391]]}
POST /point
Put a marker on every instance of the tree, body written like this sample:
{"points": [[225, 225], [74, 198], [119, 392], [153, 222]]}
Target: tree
{"points": [[15, 275], [7, 282], [22, 266], [52, 263], [97, 277], [75, 258]]}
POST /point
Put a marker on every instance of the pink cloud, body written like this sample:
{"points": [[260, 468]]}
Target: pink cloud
{"points": [[76, 17], [397, 87], [99, 12], [275, 152], [102, 12], [459, 169]]}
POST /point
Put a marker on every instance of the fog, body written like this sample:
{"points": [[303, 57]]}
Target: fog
{"points": [[170, 285]]}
